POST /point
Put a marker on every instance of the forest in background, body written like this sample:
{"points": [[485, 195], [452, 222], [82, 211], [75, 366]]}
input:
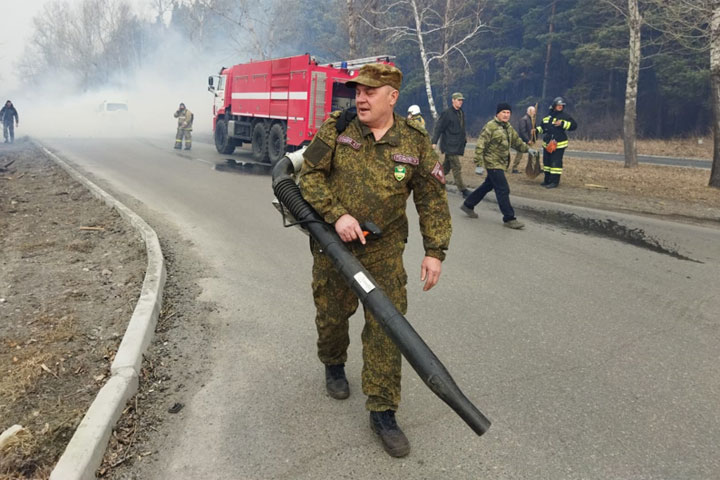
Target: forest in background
{"points": [[519, 51]]}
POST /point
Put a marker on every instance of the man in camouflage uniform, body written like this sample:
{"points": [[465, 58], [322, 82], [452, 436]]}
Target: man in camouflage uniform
{"points": [[364, 171], [493, 151], [184, 129]]}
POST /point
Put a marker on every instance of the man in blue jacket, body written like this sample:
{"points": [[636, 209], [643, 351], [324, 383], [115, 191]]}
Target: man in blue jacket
{"points": [[7, 114]]}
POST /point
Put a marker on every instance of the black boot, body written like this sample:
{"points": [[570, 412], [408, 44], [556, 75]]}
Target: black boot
{"points": [[393, 439], [336, 382], [546, 180], [554, 181]]}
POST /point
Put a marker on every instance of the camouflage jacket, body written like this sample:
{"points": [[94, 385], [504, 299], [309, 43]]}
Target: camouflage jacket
{"points": [[494, 143], [371, 180], [185, 119]]}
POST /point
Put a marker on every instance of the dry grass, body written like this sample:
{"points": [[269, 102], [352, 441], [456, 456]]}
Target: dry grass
{"points": [[690, 147], [652, 189]]}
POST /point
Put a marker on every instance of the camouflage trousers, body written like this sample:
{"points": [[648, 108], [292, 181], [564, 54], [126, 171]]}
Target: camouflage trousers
{"points": [[452, 162], [183, 133], [335, 303]]}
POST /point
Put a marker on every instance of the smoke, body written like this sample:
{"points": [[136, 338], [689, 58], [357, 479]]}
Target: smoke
{"points": [[177, 71]]}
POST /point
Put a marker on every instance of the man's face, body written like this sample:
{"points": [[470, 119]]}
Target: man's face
{"points": [[457, 103], [375, 104], [531, 111], [559, 108], [504, 115]]}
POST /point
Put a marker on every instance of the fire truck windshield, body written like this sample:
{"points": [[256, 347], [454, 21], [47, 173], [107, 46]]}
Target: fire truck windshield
{"points": [[343, 97]]}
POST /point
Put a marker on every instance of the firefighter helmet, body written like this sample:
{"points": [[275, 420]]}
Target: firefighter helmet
{"points": [[558, 101], [414, 110]]}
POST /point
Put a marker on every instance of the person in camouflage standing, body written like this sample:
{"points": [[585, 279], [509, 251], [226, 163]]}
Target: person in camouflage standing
{"points": [[184, 129], [360, 169], [493, 151]]}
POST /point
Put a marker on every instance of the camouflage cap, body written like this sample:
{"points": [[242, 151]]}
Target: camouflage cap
{"points": [[458, 96], [377, 75]]}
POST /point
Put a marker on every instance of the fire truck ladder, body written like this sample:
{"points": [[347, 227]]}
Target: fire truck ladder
{"points": [[359, 62]]}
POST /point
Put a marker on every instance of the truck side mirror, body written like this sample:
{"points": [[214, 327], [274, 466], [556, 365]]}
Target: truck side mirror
{"points": [[210, 81]]}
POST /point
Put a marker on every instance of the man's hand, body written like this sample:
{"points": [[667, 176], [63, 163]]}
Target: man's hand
{"points": [[434, 145], [557, 123], [349, 229], [479, 170], [430, 270]]}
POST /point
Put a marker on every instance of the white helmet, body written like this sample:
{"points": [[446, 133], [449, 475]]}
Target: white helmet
{"points": [[414, 110]]}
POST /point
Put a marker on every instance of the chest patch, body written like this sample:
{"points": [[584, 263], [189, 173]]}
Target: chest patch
{"points": [[438, 173], [400, 158], [345, 140], [400, 172]]}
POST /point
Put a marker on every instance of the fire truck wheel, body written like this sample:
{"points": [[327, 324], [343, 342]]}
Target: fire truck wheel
{"points": [[260, 143], [223, 143], [276, 143]]}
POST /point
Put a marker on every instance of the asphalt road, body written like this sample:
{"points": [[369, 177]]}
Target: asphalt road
{"points": [[594, 359]]}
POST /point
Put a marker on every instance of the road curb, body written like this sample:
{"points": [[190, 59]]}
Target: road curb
{"points": [[648, 232], [86, 449]]}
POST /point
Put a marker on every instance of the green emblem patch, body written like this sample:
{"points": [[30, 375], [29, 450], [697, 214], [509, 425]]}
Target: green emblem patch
{"points": [[400, 172]]}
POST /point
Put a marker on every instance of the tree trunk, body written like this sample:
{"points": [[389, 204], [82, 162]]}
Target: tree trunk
{"points": [[546, 74], [631, 87], [446, 58], [715, 92], [425, 61], [352, 29]]}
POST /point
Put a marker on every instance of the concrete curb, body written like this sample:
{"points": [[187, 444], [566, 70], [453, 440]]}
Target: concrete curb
{"points": [[86, 449], [646, 231]]}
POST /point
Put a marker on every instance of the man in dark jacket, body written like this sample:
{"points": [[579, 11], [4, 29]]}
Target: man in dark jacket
{"points": [[7, 114], [554, 127], [450, 131], [526, 130]]}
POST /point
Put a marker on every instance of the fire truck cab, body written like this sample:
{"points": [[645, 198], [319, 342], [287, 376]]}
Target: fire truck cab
{"points": [[278, 105]]}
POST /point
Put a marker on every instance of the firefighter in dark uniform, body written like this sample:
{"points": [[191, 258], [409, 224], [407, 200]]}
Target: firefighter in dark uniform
{"points": [[364, 171], [554, 127]]}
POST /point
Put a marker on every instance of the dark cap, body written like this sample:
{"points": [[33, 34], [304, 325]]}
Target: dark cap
{"points": [[458, 96], [503, 106], [377, 75]]}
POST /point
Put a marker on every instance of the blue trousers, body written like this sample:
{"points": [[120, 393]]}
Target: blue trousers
{"points": [[495, 180]]}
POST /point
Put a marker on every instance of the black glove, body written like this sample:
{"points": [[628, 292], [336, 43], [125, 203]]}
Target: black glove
{"points": [[344, 120]]}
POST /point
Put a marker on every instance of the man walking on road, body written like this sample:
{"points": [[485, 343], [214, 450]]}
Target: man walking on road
{"points": [[7, 114], [493, 151], [450, 132], [184, 128], [526, 130], [363, 169]]}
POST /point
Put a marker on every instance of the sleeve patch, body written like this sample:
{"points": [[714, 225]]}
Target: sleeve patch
{"points": [[345, 140], [400, 158], [316, 151], [438, 173]]}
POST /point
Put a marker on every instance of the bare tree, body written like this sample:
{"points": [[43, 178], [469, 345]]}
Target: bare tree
{"points": [[695, 24], [91, 39], [437, 33], [631, 11]]}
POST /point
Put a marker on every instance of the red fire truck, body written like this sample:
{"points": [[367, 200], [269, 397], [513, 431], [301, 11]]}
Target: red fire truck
{"points": [[278, 105]]}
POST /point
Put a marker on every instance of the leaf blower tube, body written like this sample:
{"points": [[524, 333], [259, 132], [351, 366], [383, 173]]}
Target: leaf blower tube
{"points": [[413, 348]]}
